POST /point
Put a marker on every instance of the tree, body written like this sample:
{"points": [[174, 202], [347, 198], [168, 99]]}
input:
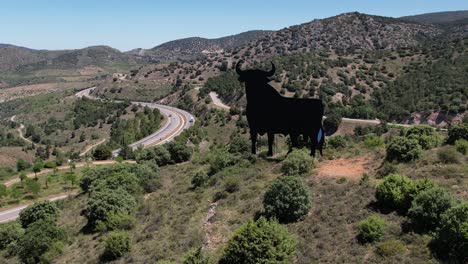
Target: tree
{"points": [[105, 202], [118, 243], [9, 233], [428, 206], [297, 163], [33, 186], [395, 191], [102, 152], [403, 149], [457, 132], [3, 190], [179, 152], [159, 154], [451, 239], [426, 136], [37, 240], [38, 165], [71, 177], [260, 241], [371, 229], [287, 199], [44, 210], [199, 179], [22, 165]]}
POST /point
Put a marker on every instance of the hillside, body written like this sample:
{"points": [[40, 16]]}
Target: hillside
{"points": [[438, 18], [195, 46]]}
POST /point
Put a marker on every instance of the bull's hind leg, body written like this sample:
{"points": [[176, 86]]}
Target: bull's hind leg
{"points": [[271, 139], [313, 144], [293, 138], [253, 138]]}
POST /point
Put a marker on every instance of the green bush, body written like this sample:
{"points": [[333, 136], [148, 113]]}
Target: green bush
{"points": [[371, 229], [239, 145], [37, 240], [159, 154], [195, 256], [426, 136], [448, 155], [179, 152], [373, 141], [297, 162], [44, 210], [9, 233], [287, 199], [118, 244], [199, 179], [116, 221], [232, 184], [461, 146], [403, 149], [395, 191], [106, 202], [102, 152], [336, 142], [261, 241], [451, 239], [390, 248], [428, 206], [220, 161], [148, 175], [457, 132], [22, 165]]}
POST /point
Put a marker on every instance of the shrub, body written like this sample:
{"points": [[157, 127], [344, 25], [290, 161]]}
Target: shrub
{"points": [[239, 145], [50, 164], [22, 165], [37, 239], [199, 179], [232, 184], [451, 239], [428, 206], [221, 161], [390, 248], [9, 233], [102, 152], [106, 202], [461, 146], [336, 142], [148, 175], [448, 155], [44, 210], [287, 199], [261, 241], [457, 132], [331, 123], [179, 152], [159, 154], [371, 229], [297, 163], [426, 136], [373, 141], [403, 149], [118, 243], [387, 168], [116, 221], [195, 256], [395, 191]]}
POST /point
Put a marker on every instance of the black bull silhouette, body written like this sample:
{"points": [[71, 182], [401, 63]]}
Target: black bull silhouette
{"points": [[270, 112]]}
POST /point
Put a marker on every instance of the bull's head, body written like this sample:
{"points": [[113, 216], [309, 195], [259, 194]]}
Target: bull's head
{"points": [[254, 76]]}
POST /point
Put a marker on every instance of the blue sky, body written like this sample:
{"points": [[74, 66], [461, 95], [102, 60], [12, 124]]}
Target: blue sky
{"points": [[68, 24]]}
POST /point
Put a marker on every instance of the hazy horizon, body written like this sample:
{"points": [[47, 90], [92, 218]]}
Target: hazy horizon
{"points": [[54, 25]]}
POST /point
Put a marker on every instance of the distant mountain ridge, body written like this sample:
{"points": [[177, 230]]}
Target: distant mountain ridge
{"points": [[191, 47], [438, 17]]}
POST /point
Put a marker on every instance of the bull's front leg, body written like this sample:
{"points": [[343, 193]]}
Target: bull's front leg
{"points": [[253, 138], [271, 139]]}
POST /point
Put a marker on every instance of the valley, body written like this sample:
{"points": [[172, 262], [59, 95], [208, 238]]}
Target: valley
{"points": [[144, 156]]}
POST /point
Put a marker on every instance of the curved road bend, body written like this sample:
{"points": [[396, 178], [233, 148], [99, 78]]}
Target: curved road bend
{"points": [[177, 121]]}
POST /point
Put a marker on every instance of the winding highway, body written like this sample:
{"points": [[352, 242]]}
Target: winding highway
{"points": [[177, 121]]}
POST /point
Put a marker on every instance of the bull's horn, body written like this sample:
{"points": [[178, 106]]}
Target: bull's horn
{"points": [[272, 71], [238, 67]]}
